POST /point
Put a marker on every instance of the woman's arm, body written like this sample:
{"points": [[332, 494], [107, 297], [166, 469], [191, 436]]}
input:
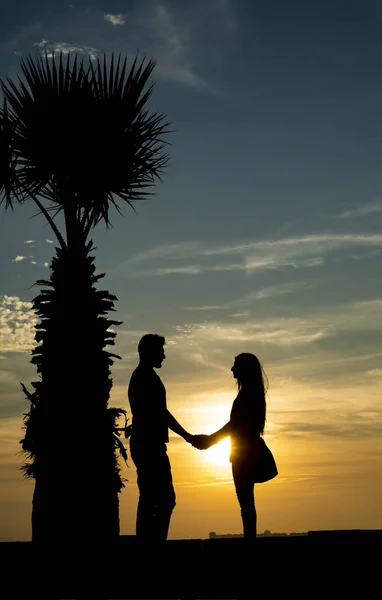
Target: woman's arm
{"points": [[203, 442], [219, 435]]}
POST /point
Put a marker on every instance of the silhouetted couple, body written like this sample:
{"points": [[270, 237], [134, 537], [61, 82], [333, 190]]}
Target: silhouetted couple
{"points": [[252, 461]]}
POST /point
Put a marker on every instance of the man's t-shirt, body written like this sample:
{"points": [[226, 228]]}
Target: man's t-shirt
{"points": [[147, 398]]}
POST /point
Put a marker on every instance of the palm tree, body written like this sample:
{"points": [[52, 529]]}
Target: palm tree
{"points": [[76, 138]]}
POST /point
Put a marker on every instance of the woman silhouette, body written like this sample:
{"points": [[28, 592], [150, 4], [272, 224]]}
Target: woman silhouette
{"points": [[252, 461]]}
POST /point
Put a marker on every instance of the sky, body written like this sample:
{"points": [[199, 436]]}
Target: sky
{"points": [[264, 236]]}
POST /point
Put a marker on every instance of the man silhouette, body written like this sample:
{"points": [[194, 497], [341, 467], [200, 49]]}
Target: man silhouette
{"points": [[149, 435]]}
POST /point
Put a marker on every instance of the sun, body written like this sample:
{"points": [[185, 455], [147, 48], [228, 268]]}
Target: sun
{"points": [[219, 454]]}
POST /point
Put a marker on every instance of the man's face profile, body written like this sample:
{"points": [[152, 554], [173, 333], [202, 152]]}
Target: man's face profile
{"points": [[154, 356], [158, 356], [151, 350]]}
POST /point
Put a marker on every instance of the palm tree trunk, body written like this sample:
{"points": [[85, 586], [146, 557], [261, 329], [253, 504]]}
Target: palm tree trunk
{"points": [[69, 429]]}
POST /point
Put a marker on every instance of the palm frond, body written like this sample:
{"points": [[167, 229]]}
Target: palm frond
{"points": [[48, 105], [80, 136], [132, 138], [8, 175], [121, 448]]}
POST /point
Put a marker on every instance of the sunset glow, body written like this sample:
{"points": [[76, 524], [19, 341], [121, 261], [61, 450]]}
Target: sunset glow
{"points": [[264, 236], [219, 454]]}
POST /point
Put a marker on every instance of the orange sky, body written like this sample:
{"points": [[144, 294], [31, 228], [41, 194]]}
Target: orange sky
{"points": [[265, 237], [324, 482]]}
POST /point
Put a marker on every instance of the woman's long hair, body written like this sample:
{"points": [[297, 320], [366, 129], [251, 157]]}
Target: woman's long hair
{"points": [[252, 379]]}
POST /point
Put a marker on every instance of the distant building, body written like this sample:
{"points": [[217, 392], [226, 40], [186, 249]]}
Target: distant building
{"points": [[213, 535]]}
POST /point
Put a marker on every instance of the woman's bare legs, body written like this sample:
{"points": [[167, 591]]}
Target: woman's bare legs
{"points": [[244, 487]]}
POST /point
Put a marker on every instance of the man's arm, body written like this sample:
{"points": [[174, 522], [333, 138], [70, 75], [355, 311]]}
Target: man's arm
{"points": [[173, 424]]}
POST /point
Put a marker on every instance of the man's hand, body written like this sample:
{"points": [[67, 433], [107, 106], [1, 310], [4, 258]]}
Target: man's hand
{"points": [[201, 441], [188, 437]]}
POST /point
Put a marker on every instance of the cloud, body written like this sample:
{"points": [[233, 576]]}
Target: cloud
{"points": [[208, 307], [188, 40], [296, 340], [351, 425], [192, 34], [361, 211], [17, 321], [41, 44], [54, 48], [173, 43], [257, 295], [30, 259], [278, 332], [117, 19], [181, 250], [152, 25], [275, 290], [190, 270], [194, 258]]}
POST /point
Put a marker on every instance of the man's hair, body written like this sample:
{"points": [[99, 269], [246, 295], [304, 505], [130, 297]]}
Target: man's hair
{"points": [[150, 342]]}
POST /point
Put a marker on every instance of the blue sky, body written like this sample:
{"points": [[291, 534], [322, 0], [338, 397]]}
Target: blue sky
{"points": [[265, 236]]}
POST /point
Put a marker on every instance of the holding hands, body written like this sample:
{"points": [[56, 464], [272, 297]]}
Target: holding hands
{"points": [[201, 441]]}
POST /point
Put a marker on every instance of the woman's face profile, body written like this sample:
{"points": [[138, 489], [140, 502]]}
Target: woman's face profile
{"points": [[235, 368]]}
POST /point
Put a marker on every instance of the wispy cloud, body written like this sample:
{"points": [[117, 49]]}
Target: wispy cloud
{"points": [[320, 384], [352, 425], [187, 270], [175, 34], [276, 290], [257, 295], [115, 19], [208, 307], [362, 210], [200, 341], [280, 332], [174, 47], [17, 321], [35, 242], [193, 258], [152, 25], [19, 258]]}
